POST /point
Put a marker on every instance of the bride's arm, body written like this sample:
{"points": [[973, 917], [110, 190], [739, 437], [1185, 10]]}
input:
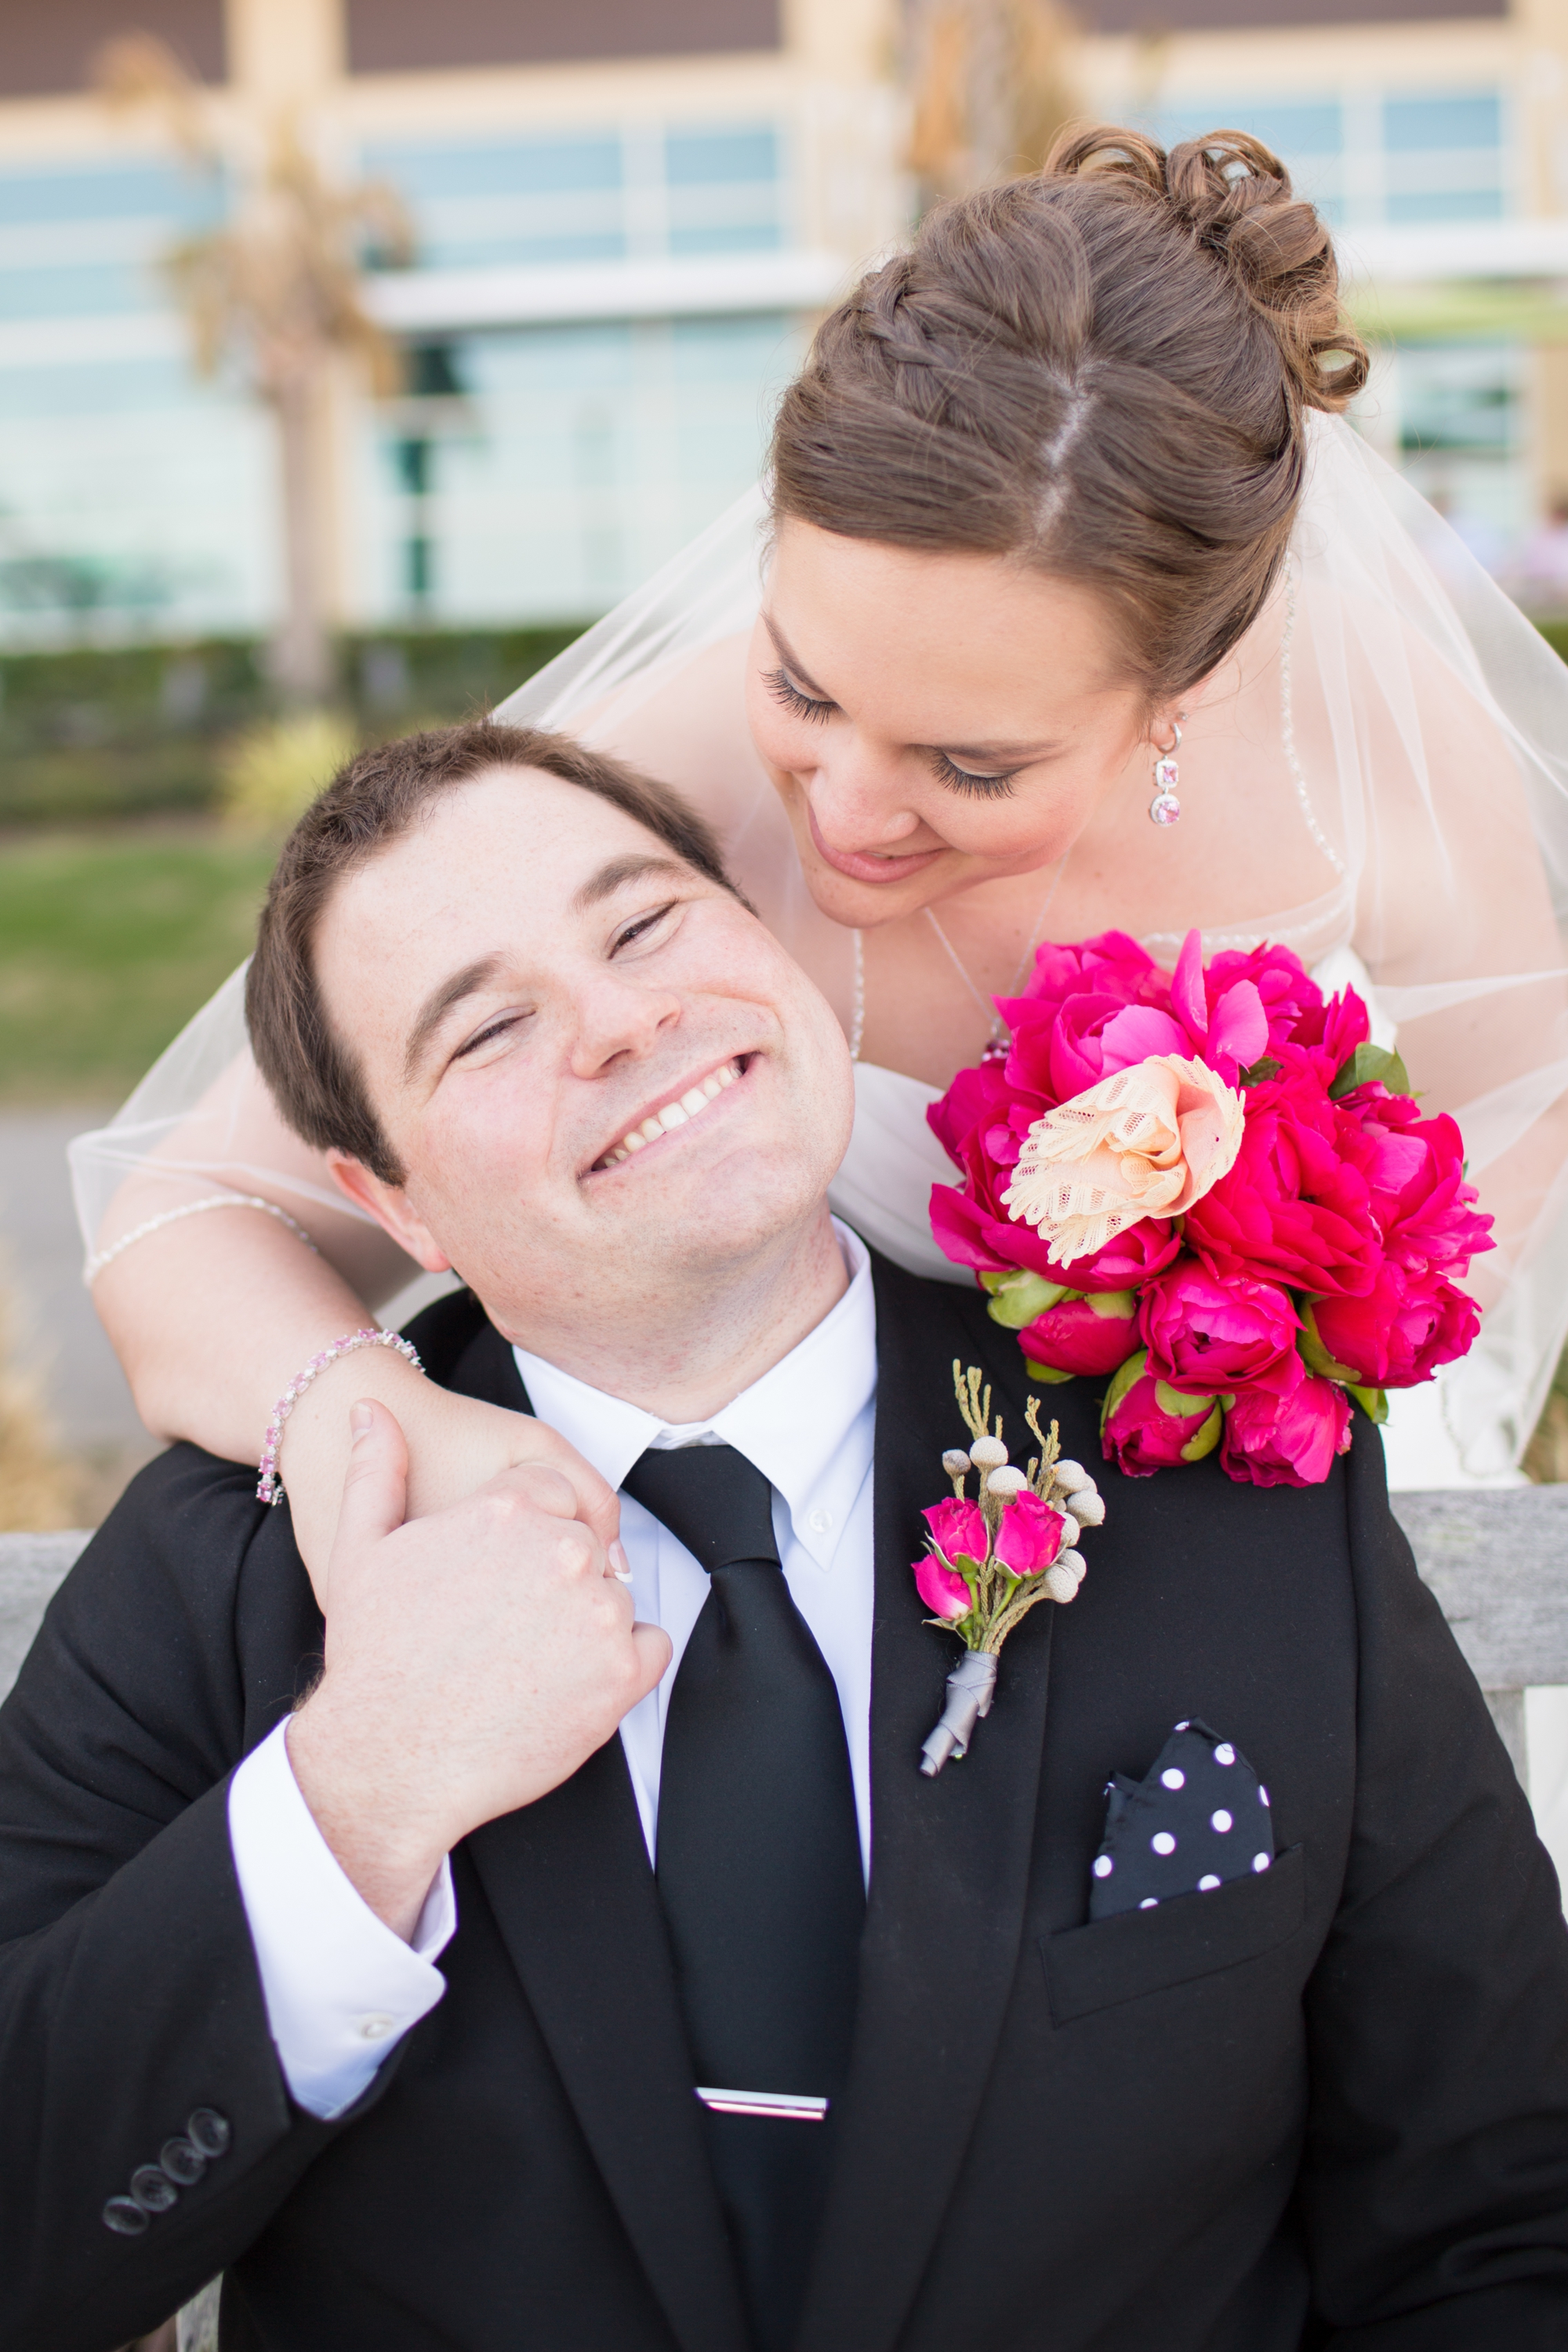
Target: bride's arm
{"points": [[213, 1314]]}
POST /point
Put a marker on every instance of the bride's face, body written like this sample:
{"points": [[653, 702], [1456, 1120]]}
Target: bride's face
{"points": [[932, 720]]}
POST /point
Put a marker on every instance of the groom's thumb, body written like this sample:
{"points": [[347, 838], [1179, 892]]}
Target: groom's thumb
{"points": [[375, 1490]]}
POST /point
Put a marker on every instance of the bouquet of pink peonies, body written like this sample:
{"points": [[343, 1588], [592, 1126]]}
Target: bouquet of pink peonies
{"points": [[1210, 1185]]}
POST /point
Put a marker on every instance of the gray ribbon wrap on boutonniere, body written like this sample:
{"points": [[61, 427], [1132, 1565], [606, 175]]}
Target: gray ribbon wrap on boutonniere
{"points": [[988, 1563]]}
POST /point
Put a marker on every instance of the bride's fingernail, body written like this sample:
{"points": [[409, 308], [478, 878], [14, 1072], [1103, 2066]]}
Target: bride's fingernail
{"points": [[620, 1565]]}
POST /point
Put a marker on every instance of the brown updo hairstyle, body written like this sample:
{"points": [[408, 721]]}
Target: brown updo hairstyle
{"points": [[1104, 370]]}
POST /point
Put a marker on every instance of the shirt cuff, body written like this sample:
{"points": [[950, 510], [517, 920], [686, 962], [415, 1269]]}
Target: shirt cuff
{"points": [[342, 1989]]}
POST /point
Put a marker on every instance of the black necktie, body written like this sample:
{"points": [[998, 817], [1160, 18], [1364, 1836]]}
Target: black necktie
{"points": [[758, 1865]]}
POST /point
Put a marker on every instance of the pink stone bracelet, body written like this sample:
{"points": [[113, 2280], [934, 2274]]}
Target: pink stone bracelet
{"points": [[270, 1489]]}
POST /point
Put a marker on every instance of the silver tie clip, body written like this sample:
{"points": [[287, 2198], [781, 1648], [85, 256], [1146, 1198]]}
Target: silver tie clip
{"points": [[785, 2106]]}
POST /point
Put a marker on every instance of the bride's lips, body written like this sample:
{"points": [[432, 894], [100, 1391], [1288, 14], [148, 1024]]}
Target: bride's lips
{"points": [[862, 869]]}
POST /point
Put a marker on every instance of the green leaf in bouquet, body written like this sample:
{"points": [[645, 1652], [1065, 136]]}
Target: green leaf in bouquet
{"points": [[1369, 1065], [1019, 1297], [1374, 1403], [1316, 1357], [1048, 1373]]}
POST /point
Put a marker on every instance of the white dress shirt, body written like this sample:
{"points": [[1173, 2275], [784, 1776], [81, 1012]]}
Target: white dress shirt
{"points": [[340, 1988]]}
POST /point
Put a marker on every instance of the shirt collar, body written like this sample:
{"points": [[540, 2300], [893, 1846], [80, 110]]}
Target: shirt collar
{"points": [[808, 1424]]}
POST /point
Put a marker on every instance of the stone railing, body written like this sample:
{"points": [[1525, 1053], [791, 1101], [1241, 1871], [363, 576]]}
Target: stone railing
{"points": [[1497, 1559]]}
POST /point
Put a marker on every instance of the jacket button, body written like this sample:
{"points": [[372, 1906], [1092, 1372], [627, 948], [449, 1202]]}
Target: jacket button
{"points": [[153, 2190], [182, 2161], [208, 2131], [125, 2217]]}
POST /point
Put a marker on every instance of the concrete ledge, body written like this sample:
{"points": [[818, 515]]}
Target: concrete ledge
{"points": [[31, 1567]]}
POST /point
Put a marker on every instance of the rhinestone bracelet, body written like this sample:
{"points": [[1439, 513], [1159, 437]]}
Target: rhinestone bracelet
{"points": [[270, 1489], [100, 1258]]}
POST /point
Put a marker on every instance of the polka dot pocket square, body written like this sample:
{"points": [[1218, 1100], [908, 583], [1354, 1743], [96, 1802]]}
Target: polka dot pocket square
{"points": [[1199, 1817]]}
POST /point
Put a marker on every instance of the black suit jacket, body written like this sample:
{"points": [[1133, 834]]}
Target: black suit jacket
{"points": [[1324, 2106]]}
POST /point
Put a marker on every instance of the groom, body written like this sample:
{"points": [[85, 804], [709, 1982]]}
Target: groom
{"points": [[562, 1948]]}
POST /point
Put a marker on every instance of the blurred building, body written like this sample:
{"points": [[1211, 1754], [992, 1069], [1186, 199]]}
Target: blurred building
{"points": [[1433, 133], [627, 214]]}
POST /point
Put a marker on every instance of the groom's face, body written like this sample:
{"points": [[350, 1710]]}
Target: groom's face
{"points": [[601, 1074]]}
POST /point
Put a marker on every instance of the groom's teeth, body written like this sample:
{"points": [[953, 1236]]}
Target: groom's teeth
{"points": [[675, 1114]]}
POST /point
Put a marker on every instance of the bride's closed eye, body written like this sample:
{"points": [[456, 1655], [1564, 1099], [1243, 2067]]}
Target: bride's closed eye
{"points": [[976, 786], [783, 690]]}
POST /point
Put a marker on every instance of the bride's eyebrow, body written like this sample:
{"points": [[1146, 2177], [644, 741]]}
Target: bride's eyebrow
{"points": [[792, 662]]}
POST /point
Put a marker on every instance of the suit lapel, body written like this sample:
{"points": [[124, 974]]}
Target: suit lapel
{"points": [[950, 1858], [573, 1897]]}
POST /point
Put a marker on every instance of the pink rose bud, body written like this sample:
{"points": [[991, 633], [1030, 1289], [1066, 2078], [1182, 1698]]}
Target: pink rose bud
{"points": [[1089, 1335], [1148, 1426], [1289, 1441], [1030, 1536], [958, 1529], [942, 1588], [1209, 1336]]}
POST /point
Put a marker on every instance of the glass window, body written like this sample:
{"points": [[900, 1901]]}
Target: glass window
{"points": [[699, 158], [1471, 119]]}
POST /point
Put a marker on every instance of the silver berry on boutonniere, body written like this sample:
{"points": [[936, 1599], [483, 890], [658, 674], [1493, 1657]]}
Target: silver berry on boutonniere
{"points": [[991, 1560]]}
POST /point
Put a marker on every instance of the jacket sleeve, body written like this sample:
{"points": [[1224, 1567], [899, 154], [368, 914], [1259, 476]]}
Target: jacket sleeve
{"points": [[130, 1998], [1435, 2181]]}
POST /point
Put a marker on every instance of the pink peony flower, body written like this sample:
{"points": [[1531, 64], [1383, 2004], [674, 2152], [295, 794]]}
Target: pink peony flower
{"points": [[1416, 1172], [957, 1528], [943, 1590], [1228, 1027], [1291, 1210], [1400, 1332], [1285, 990], [1207, 1336], [1030, 1536], [1286, 1441], [1149, 1426], [1091, 1334]]}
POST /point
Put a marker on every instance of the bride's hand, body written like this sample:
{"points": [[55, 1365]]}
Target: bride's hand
{"points": [[455, 1445]]}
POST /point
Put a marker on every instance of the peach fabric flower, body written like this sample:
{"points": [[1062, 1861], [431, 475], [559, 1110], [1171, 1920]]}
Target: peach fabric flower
{"points": [[1146, 1142]]}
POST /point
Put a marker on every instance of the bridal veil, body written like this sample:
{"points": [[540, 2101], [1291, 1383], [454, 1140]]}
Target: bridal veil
{"points": [[1420, 726]]}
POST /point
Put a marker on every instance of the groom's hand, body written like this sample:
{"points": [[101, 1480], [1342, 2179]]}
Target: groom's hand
{"points": [[474, 1660]]}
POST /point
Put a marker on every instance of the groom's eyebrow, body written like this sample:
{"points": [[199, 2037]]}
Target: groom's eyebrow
{"points": [[616, 872], [446, 994]]}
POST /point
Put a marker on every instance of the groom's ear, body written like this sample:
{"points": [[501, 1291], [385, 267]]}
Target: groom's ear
{"points": [[388, 1204]]}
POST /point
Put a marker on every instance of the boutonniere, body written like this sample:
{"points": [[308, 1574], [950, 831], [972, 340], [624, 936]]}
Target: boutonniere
{"points": [[1210, 1188], [990, 1560]]}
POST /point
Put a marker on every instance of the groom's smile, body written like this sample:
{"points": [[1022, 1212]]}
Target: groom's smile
{"points": [[579, 1054]]}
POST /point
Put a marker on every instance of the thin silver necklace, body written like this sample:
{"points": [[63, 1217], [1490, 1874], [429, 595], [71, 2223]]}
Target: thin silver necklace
{"points": [[998, 1026]]}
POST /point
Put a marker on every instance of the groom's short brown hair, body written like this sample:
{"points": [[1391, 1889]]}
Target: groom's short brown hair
{"points": [[315, 1073]]}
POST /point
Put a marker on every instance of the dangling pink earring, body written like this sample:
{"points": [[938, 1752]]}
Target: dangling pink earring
{"points": [[1165, 808]]}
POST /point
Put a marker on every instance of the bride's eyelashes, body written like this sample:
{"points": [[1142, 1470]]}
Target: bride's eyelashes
{"points": [[783, 690], [966, 780]]}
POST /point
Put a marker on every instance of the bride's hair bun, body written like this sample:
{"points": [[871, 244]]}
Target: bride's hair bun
{"points": [[1106, 369], [1236, 199]]}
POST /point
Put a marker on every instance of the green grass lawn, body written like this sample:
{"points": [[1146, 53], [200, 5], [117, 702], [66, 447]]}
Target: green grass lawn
{"points": [[108, 943]]}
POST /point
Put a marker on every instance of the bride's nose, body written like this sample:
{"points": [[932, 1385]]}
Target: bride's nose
{"points": [[859, 797]]}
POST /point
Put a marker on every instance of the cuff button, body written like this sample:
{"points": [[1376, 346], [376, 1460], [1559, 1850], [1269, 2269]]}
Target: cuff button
{"points": [[152, 2189], [376, 2026], [182, 2161], [208, 2131], [125, 2217]]}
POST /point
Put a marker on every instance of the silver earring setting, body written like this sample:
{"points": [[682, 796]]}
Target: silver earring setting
{"points": [[1165, 808]]}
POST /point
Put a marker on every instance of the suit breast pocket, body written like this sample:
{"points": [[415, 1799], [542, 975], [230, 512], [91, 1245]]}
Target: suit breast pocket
{"points": [[1140, 1952]]}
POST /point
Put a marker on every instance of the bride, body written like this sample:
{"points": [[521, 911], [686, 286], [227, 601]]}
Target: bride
{"points": [[1062, 491]]}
